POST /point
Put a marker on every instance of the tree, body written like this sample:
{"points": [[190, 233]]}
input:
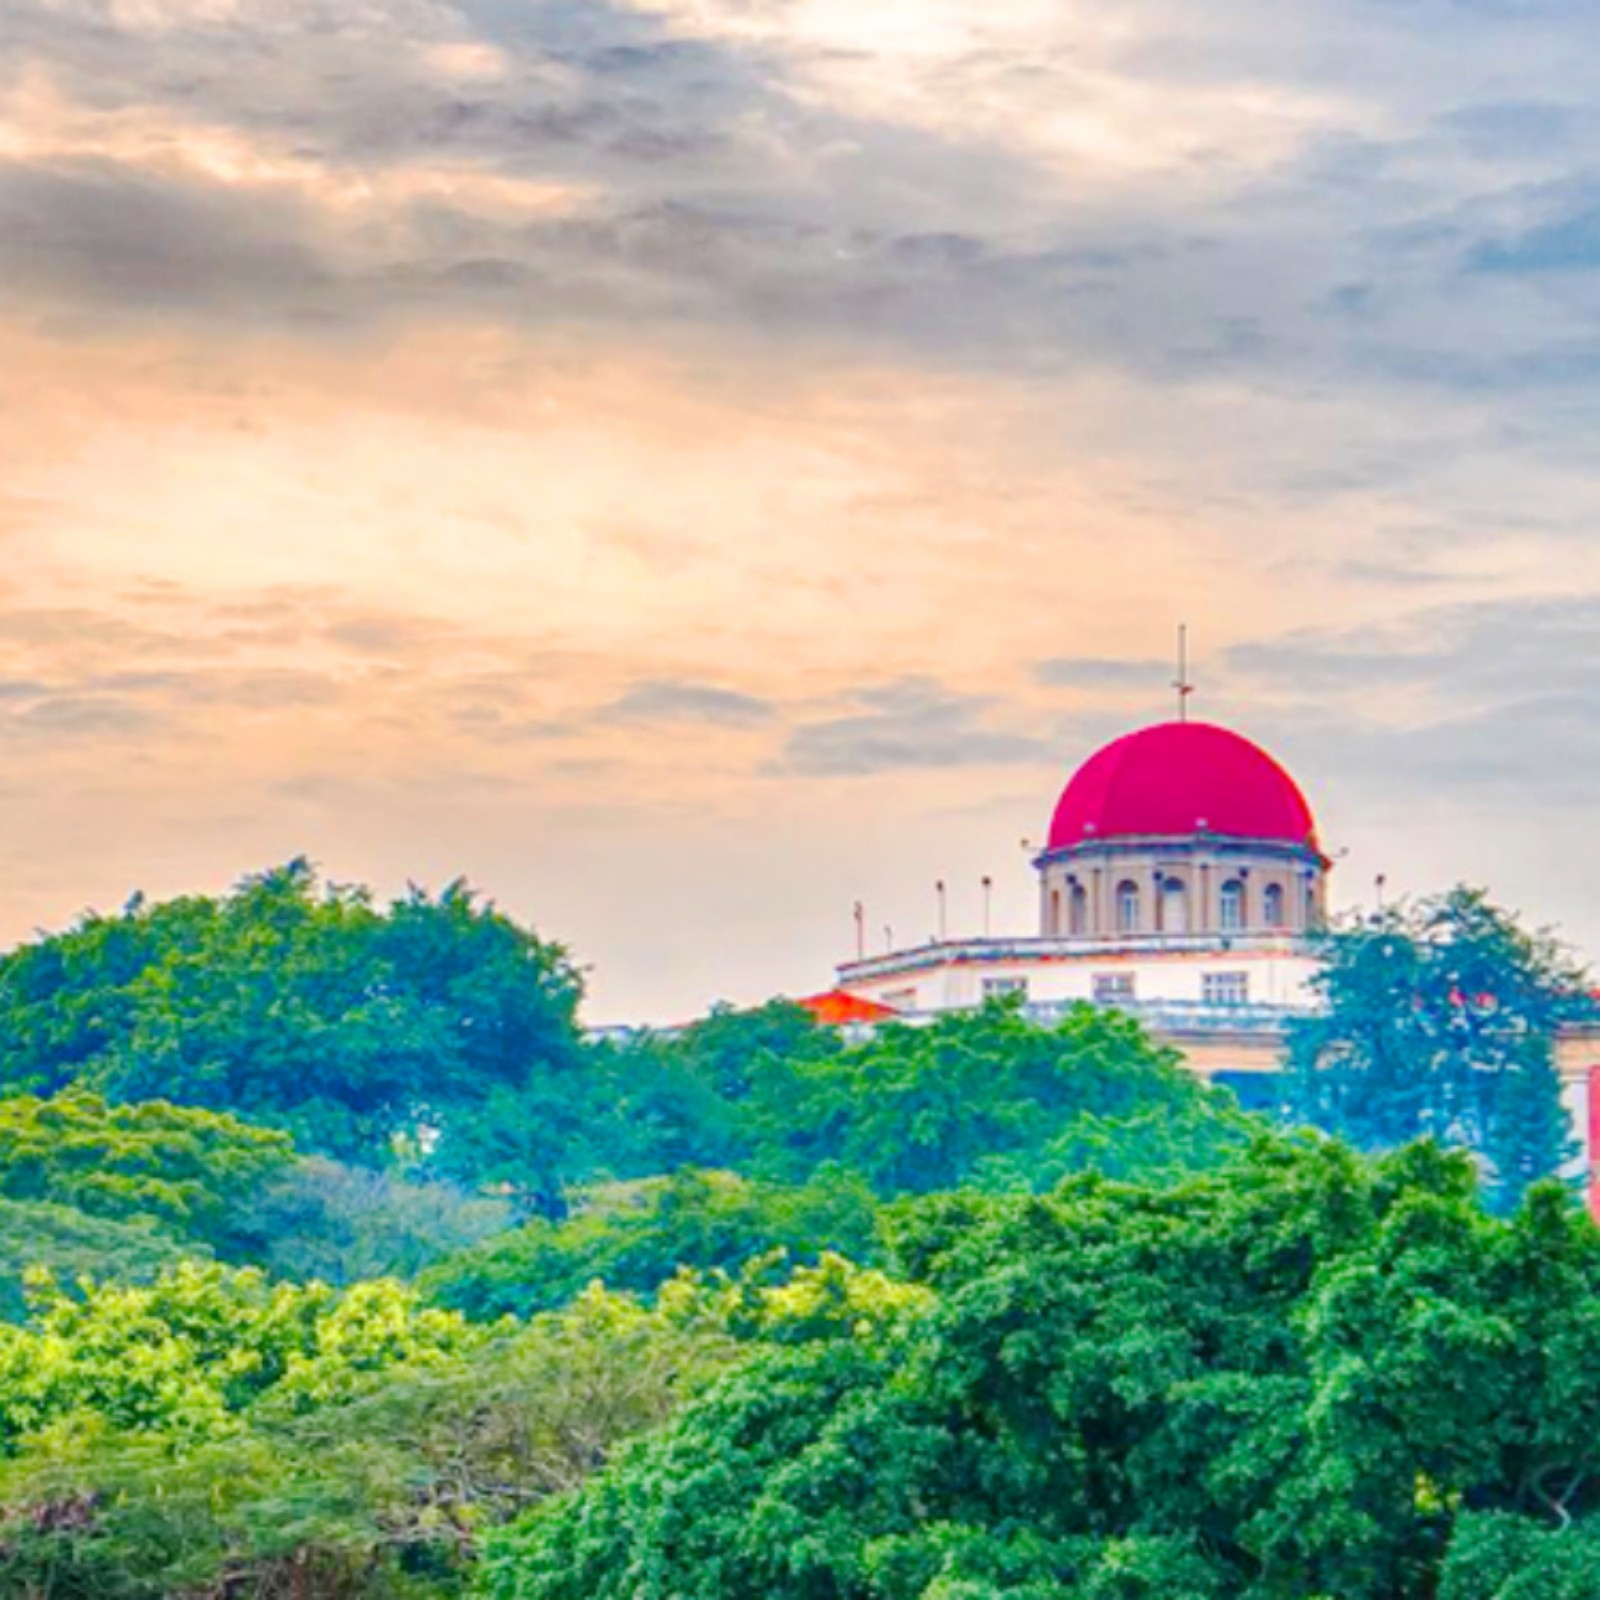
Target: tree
{"points": [[183, 1168], [1439, 1018], [214, 1435], [689, 1098], [341, 1224], [307, 1007], [1303, 1375], [67, 1246], [637, 1236], [987, 1097], [984, 1097]]}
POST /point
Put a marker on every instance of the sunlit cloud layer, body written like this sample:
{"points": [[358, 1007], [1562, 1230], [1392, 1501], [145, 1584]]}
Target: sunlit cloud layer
{"points": [[693, 464]]}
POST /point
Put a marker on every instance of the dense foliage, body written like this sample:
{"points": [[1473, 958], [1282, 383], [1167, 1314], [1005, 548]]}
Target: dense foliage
{"points": [[325, 1220], [184, 1168], [1300, 1377], [305, 1007], [635, 1237], [1439, 1020], [94, 1190], [216, 1434], [985, 1098], [330, 1253], [66, 1245]]}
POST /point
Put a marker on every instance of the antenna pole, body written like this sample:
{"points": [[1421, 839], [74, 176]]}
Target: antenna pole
{"points": [[1181, 682], [861, 931]]}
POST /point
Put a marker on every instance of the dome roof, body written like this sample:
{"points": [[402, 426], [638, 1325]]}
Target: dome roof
{"points": [[1177, 779]]}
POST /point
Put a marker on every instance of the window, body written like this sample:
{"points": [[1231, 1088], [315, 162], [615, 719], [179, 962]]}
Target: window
{"points": [[901, 1000], [1174, 906], [1225, 988], [996, 988], [1128, 907], [1080, 909], [1231, 906], [1272, 906], [1055, 911], [1112, 988]]}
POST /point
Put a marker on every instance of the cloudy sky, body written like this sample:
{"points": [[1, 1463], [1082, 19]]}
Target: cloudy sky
{"points": [[690, 464]]}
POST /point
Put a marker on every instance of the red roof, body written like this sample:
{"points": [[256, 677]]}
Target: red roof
{"points": [[836, 1007], [1178, 779]]}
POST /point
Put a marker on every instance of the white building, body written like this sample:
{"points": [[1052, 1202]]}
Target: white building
{"points": [[1181, 880], [1181, 877]]}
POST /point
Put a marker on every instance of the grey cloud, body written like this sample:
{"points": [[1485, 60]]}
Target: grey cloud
{"points": [[388, 635], [666, 700], [1102, 672], [261, 689], [72, 716], [914, 723], [1486, 709], [97, 234], [722, 196], [1491, 652]]}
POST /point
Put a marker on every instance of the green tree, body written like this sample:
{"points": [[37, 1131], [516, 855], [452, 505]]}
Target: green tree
{"points": [[306, 1007], [688, 1098], [340, 1224], [184, 1168], [636, 1236], [215, 1435], [988, 1097], [68, 1245], [985, 1097], [1302, 1375], [1439, 1018]]}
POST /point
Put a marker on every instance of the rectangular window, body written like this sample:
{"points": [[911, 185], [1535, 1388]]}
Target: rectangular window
{"points": [[1225, 988], [901, 1000], [994, 988], [1112, 988]]}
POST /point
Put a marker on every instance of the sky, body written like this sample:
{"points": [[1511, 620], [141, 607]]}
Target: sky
{"points": [[690, 465]]}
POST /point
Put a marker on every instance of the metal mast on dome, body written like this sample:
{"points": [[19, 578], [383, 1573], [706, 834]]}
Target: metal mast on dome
{"points": [[1181, 682]]}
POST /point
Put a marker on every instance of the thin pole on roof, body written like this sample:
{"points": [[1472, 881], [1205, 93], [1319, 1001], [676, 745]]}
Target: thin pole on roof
{"points": [[1181, 682]]}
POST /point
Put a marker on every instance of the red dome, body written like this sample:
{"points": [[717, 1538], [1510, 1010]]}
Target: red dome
{"points": [[1181, 778]]}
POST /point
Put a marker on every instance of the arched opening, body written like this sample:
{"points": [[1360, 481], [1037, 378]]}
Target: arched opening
{"points": [[1174, 906], [1079, 909], [1230, 906], [1272, 905], [1128, 906], [1055, 913]]}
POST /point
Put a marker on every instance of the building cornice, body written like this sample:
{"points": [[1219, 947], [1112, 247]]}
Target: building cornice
{"points": [[1216, 844], [1040, 951]]}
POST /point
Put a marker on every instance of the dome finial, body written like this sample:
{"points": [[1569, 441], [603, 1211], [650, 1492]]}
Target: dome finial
{"points": [[1181, 683]]}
